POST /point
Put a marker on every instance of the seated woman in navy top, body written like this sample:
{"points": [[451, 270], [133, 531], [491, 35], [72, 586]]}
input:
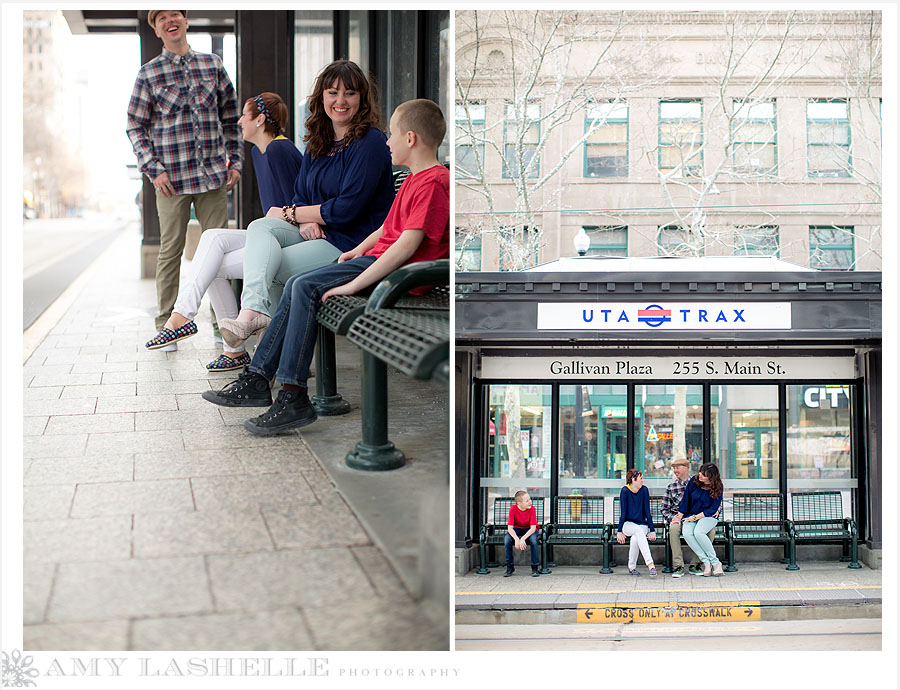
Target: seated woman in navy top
{"points": [[220, 254], [342, 194], [635, 521], [700, 503]]}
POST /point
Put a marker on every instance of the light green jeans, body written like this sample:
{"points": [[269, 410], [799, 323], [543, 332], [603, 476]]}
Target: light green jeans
{"points": [[275, 251]]}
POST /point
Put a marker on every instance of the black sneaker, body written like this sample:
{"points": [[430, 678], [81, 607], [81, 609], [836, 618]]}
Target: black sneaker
{"points": [[290, 410], [534, 571], [509, 570], [250, 390]]}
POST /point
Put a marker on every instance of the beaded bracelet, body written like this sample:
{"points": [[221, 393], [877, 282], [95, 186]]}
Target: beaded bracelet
{"points": [[284, 213], [294, 215]]}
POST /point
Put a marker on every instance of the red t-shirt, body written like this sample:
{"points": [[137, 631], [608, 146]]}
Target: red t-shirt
{"points": [[523, 519], [422, 203]]}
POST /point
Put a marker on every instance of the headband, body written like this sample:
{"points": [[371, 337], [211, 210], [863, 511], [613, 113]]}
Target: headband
{"points": [[261, 106]]}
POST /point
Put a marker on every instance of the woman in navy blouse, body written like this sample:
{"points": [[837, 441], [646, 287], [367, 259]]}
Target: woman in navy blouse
{"points": [[635, 521], [700, 503], [220, 254], [342, 194]]}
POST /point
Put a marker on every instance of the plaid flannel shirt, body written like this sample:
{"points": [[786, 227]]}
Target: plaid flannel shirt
{"points": [[674, 494], [182, 120]]}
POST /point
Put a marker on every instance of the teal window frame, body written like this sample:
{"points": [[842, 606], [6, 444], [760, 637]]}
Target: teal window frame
{"points": [[595, 232], [669, 228], [692, 170], [848, 245], [812, 145], [607, 143], [757, 245], [459, 145], [737, 104], [509, 147], [472, 249]]}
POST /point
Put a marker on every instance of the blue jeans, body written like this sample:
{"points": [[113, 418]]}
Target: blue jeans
{"points": [[286, 350], [695, 534], [532, 542]]}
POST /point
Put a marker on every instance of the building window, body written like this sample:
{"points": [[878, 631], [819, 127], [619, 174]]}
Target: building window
{"points": [[530, 132], [468, 252], [828, 136], [677, 241], [520, 241], [681, 137], [756, 241], [831, 248], [753, 132], [607, 240], [606, 148], [469, 139]]}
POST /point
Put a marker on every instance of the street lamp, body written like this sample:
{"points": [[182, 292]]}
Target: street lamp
{"points": [[582, 242]]}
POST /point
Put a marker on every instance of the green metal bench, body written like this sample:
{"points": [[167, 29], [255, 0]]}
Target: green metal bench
{"points": [[579, 521], [494, 533], [758, 518], [414, 341], [818, 517]]}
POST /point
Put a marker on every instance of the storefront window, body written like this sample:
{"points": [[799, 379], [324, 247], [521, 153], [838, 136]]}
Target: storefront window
{"points": [[819, 450], [745, 436], [668, 424], [518, 449], [592, 432]]}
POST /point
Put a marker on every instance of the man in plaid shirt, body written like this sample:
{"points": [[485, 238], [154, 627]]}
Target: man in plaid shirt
{"points": [[182, 122], [670, 502]]}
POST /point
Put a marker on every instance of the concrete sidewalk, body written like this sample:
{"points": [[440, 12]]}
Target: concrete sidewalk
{"points": [[154, 521]]}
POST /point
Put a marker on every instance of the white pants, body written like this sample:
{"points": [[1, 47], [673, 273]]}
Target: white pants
{"points": [[638, 534], [218, 259]]}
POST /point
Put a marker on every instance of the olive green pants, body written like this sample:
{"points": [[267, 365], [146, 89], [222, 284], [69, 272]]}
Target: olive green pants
{"points": [[174, 213]]}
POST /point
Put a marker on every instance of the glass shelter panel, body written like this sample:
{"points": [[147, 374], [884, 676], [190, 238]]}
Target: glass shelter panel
{"points": [[744, 436], [668, 425]]}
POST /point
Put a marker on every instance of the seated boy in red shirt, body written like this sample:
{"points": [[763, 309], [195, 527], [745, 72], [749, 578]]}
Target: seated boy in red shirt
{"points": [[521, 528], [417, 228]]}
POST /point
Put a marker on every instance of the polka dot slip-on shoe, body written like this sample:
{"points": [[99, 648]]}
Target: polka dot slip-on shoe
{"points": [[224, 363], [167, 336]]}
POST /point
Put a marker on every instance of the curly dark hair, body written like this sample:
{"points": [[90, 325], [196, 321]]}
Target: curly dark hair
{"points": [[711, 472], [319, 137]]}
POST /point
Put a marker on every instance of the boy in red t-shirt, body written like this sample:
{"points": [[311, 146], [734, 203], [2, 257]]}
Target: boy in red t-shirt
{"points": [[521, 529], [417, 228]]}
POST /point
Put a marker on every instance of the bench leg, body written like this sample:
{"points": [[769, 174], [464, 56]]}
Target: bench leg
{"points": [[792, 555], [551, 563], [482, 551], [544, 563], [492, 560], [854, 554], [667, 568], [729, 550], [327, 401], [606, 548], [375, 452]]}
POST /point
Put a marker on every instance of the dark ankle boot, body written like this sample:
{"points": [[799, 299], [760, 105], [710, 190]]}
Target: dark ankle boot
{"points": [[534, 571], [510, 569]]}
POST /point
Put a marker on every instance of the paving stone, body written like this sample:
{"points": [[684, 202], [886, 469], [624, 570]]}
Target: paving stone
{"points": [[133, 355], [54, 379], [570, 601], [81, 367], [475, 601], [186, 464], [37, 580], [322, 486], [70, 356], [47, 502], [268, 490], [226, 437], [35, 426], [70, 471], [91, 423], [130, 588], [390, 625], [178, 387], [311, 526], [655, 597], [91, 539], [135, 376], [62, 445], [831, 596], [135, 442], [319, 577], [258, 461], [525, 601], [102, 635], [32, 370], [185, 534], [53, 407], [382, 576], [46, 393], [186, 420], [258, 631], [872, 596], [117, 498], [192, 401], [106, 391], [138, 403]]}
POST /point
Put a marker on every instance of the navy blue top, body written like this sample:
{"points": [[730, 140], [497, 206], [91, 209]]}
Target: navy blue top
{"points": [[354, 187], [276, 170], [697, 500], [635, 507]]}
